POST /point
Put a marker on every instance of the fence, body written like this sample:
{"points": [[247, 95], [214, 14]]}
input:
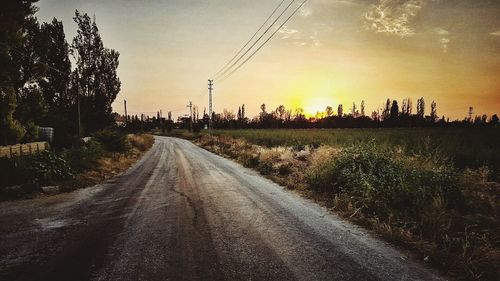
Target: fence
{"points": [[23, 149]]}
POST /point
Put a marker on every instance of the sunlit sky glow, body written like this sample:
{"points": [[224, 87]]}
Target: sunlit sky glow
{"points": [[333, 51]]}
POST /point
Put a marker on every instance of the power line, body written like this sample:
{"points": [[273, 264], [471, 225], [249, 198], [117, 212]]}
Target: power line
{"points": [[262, 45], [255, 43], [250, 40]]}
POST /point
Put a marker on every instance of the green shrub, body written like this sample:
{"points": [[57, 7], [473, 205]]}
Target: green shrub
{"points": [[49, 167], [196, 127], [40, 169], [380, 180], [112, 141], [85, 157]]}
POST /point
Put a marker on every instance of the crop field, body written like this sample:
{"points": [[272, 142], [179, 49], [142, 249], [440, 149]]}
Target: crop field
{"points": [[474, 147]]}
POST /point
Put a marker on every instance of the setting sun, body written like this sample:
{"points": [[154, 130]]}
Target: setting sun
{"points": [[313, 94]]}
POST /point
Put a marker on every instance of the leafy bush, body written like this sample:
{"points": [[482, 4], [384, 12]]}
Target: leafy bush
{"points": [[113, 141], [379, 179], [47, 167], [196, 127], [41, 169], [85, 157]]}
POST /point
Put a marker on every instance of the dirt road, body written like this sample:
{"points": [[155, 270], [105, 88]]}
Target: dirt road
{"points": [[182, 213]]}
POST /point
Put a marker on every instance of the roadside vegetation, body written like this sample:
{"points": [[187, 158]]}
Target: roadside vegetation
{"points": [[106, 154], [40, 86], [433, 192]]}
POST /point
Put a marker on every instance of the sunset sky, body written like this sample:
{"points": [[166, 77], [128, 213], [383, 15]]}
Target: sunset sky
{"points": [[333, 51]]}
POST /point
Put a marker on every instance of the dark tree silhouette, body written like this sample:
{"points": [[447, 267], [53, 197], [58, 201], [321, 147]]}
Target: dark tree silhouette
{"points": [[433, 115], [386, 114], [394, 113], [13, 17], [421, 108], [494, 120], [95, 78]]}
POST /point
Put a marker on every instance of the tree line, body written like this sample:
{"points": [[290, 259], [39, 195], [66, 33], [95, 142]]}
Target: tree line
{"points": [[47, 81], [393, 114]]}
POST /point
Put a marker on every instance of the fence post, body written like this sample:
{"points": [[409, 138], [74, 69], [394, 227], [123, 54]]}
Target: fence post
{"points": [[37, 148], [10, 151], [29, 149], [20, 150]]}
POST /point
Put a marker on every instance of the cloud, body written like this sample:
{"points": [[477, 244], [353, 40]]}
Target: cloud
{"points": [[441, 31], [305, 11], [443, 38], [306, 37], [287, 32], [496, 33], [393, 17]]}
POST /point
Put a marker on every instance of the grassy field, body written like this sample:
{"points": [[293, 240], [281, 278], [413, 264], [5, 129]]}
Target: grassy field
{"points": [[464, 147], [434, 191]]}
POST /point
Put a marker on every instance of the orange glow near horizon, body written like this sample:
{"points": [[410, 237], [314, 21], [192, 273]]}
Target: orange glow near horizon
{"points": [[313, 94], [325, 56]]}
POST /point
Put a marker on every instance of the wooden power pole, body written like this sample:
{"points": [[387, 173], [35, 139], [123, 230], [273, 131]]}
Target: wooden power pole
{"points": [[210, 121], [190, 105], [125, 105]]}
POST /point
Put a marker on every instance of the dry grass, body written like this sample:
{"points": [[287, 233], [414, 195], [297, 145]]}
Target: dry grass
{"points": [[463, 242], [114, 163], [141, 142]]}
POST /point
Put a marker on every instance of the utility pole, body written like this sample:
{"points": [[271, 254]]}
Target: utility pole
{"points": [[210, 121], [142, 122], [190, 105], [79, 119], [78, 101], [126, 115]]}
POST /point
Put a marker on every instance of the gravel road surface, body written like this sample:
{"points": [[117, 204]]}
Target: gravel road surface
{"points": [[182, 213]]}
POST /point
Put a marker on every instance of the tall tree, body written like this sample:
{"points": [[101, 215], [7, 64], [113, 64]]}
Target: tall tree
{"points": [[403, 108], [281, 112], [386, 114], [329, 111], [340, 111], [263, 113], [363, 108], [434, 115], [420, 108], [56, 80], [13, 15], [94, 78], [494, 120], [394, 110], [32, 107]]}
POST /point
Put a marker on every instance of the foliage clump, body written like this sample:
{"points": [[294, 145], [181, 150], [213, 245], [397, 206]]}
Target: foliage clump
{"points": [[113, 141], [378, 179]]}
